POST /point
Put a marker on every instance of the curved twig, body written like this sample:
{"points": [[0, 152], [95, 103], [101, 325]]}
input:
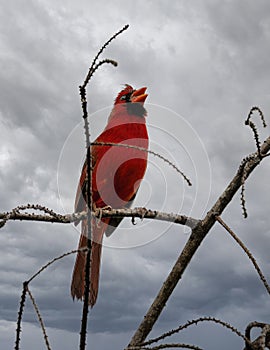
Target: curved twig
{"points": [[42, 325], [195, 322], [256, 109], [144, 150], [94, 65], [253, 126], [262, 341], [53, 261], [245, 249]]}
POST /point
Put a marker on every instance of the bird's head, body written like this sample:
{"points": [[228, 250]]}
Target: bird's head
{"points": [[132, 99]]}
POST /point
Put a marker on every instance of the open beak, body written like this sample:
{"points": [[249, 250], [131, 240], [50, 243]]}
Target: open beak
{"points": [[139, 95]]}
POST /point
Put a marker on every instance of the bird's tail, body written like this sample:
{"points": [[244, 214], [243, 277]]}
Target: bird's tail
{"points": [[78, 278]]}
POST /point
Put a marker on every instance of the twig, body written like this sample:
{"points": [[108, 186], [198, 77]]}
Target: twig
{"points": [[53, 261], [256, 109], [253, 127], [243, 201], [251, 257], [145, 150], [15, 212], [191, 323], [166, 346], [23, 297], [256, 136], [198, 234], [93, 68], [89, 222], [89, 75], [243, 170], [20, 314], [262, 341], [46, 339], [260, 156]]}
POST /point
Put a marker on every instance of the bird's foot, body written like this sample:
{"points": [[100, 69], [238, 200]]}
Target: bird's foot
{"points": [[100, 211]]}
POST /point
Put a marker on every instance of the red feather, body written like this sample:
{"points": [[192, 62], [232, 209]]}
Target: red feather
{"points": [[117, 173]]}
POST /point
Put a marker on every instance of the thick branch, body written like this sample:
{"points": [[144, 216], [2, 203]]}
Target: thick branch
{"points": [[199, 232]]}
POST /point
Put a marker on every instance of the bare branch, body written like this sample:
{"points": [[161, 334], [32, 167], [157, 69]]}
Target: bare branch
{"points": [[253, 127], [243, 201], [166, 346], [251, 257], [256, 136], [256, 109], [53, 261], [141, 213], [16, 211], [195, 322], [20, 314], [145, 150], [93, 65], [46, 339], [261, 342], [243, 168], [198, 234], [257, 141]]}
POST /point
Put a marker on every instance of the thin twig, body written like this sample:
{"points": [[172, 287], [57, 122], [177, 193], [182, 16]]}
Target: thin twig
{"points": [[90, 71], [256, 136], [20, 314], [191, 323], [89, 221], [258, 146], [243, 201], [17, 211], [262, 341], [99, 64], [256, 109], [243, 169], [46, 339], [251, 257], [144, 150], [53, 261], [253, 127], [166, 346]]}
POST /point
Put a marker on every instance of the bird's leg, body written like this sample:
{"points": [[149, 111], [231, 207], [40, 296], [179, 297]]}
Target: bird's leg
{"points": [[100, 210], [107, 207]]}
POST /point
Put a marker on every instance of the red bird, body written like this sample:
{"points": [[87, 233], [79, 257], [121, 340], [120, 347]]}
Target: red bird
{"points": [[116, 177]]}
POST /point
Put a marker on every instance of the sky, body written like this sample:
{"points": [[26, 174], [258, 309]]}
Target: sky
{"points": [[204, 64]]}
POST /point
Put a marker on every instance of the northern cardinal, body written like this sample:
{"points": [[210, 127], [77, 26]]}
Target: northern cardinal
{"points": [[116, 177]]}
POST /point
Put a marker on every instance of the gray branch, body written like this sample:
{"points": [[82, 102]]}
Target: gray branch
{"points": [[198, 234], [141, 213]]}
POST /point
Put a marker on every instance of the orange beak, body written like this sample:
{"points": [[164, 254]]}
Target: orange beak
{"points": [[139, 95]]}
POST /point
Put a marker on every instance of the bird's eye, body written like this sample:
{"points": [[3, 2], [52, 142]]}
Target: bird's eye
{"points": [[126, 97]]}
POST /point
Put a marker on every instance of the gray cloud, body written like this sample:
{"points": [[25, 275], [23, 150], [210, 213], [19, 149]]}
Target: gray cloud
{"points": [[207, 62]]}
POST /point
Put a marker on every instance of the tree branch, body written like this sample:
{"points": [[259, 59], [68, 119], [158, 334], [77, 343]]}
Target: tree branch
{"points": [[198, 234], [141, 213]]}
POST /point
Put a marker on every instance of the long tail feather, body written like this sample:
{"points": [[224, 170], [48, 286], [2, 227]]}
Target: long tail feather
{"points": [[78, 278]]}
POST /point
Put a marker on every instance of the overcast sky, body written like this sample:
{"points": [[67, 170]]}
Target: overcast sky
{"points": [[205, 64]]}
